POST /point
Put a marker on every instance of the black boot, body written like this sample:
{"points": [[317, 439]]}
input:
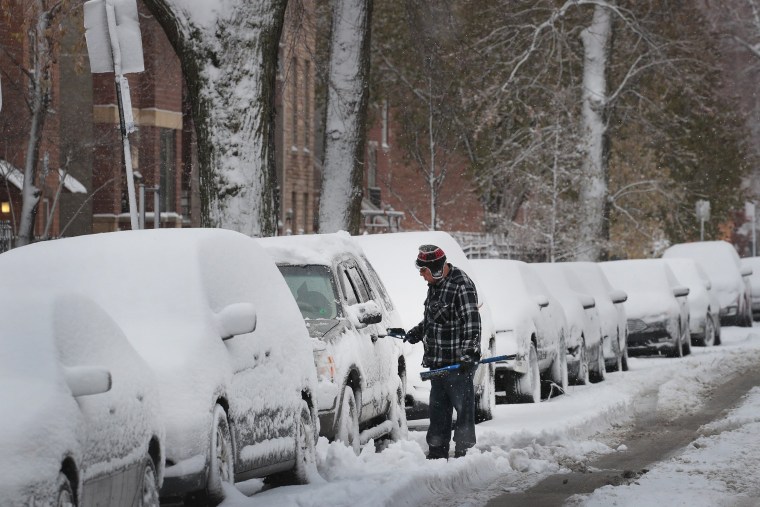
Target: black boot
{"points": [[437, 453]]}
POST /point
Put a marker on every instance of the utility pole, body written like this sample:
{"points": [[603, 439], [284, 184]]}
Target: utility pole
{"points": [[703, 215]]}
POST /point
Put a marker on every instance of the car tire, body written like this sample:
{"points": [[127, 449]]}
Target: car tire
{"points": [[149, 489], [64, 492], [716, 325], [305, 467], [558, 371], [486, 400], [599, 373], [581, 377], [624, 358], [526, 387], [708, 339], [222, 461], [347, 423], [687, 342]]}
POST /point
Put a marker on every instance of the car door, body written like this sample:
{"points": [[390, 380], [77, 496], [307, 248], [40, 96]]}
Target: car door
{"points": [[369, 353]]}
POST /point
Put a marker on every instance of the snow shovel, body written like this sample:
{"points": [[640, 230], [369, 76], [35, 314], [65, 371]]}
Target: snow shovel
{"points": [[442, 372]]}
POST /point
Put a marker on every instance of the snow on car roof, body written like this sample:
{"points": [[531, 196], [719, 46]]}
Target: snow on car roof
{"points": [[393, 255], [718, 258], [310, 248]]}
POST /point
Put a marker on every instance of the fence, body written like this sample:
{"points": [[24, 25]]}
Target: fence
{"points": [[6, 236], [495, 246]]}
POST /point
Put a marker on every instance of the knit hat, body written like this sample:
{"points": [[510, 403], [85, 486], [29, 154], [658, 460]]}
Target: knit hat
{"points": [[433, 258]]}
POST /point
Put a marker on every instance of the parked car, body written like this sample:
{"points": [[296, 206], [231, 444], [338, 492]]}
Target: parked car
{"points": [[393, 256], [590, 279], [753, 263], [583, 333], [728, 277], [362, 371], [704, 322], [80, 421], [657, 309], [530, 324], [209, 312]]}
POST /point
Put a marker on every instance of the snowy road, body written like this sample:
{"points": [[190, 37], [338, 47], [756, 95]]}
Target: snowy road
{"points": [[526, 444]]}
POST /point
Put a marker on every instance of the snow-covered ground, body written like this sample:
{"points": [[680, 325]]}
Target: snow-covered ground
{"points": [[524, 443]]}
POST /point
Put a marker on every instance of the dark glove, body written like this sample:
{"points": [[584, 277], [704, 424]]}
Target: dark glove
{"points": [[413, 335], [468, 362]]}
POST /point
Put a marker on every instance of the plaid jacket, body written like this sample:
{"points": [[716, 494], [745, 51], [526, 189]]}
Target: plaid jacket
{"points": [[451, 324]]}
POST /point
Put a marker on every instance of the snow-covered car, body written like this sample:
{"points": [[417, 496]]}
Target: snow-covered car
{"points": [[590, 279], [209, 312], [730, 280], [657, 308], [753, 263], [80, 422], [530, 324], [393, 256], [704, 322], [583, 332], [361, 370]]}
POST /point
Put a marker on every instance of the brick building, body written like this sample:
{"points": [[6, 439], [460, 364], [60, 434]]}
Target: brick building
{"points": [[83, 123]]}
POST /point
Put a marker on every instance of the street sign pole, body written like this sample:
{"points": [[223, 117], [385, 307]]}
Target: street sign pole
{"points": [[120, 81]]}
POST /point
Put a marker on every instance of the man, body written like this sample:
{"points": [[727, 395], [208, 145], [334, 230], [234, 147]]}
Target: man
{"points": [[450, 332]]}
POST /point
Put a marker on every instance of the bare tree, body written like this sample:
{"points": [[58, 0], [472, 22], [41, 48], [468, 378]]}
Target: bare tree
{"points": [[228, 52]]}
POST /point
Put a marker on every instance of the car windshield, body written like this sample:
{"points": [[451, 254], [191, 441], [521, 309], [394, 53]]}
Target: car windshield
{"points": [[313, 288]]}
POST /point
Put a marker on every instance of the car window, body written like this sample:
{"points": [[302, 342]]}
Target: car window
{"points": [[359, 284], [378, 285], [352, 297], [313, 288]]}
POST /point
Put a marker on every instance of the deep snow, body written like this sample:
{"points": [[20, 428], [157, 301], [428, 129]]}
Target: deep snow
{"points": [[524, 443]]}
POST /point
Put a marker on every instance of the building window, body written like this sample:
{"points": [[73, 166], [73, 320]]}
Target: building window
{"points": [[372, 164], [305, 211], [294, 102], [385, 124], [294, 207], [168, 171], [307, 106]]}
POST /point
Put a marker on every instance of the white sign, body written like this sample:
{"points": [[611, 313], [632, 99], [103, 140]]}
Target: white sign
{"points": [[127, 33], [703, 210], [749, 210]]}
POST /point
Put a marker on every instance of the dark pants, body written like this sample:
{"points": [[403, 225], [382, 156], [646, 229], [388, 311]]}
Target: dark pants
{"points": [[455, 391]]}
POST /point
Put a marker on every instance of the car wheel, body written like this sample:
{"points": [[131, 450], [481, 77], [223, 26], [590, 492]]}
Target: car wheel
{"points": [[599, 373], [558, 371], [687, 342], [486, 400], [221, 464], [716, 326], [582, 375], [149, 491], [347, 430], [305, 467], [624, 358], [65, 495], [526, 387]]}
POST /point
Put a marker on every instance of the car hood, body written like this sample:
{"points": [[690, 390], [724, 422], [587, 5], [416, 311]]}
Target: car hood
{"points": [[649, 305], [324, 328]]}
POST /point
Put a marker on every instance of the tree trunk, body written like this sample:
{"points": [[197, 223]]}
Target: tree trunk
{"points": [[346, 114], [30, 194], [228, 55], [593, 195]]}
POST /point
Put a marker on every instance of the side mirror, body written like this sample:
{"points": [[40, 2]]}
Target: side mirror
{"points": [[236, 319], [87, 380], [618, 296], [746, 270], [680, 291], [587, 301], [363, 314], [541, 300]]}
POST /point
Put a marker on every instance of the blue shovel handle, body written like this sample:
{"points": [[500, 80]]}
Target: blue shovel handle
{"points": [[441, 372]]}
